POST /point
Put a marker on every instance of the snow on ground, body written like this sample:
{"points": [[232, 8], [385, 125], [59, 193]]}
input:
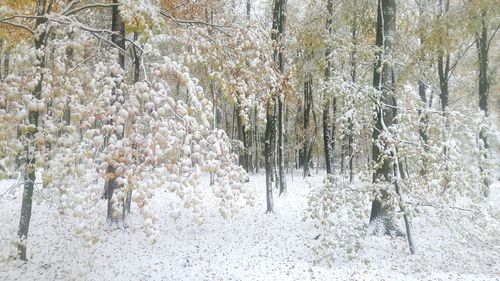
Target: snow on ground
{"points": [[251, 246]]}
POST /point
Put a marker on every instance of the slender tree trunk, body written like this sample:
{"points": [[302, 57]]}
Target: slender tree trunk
{"points": [[307, 154], [274, 142], [279, 25], [268, 158], [281, 141], [424, 117], [117, 26], [240, 129], [281, 98], [443, 61], [249, 8], [422, 92], [399, 176], [350, 136], [482, 45], [214, 124], [327, 143], [137, 75], [334, 130], [4, 60], [33, 117], [256, 141]]}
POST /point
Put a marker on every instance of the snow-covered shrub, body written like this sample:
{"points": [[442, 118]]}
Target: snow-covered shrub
{"points": [[340, 214]]}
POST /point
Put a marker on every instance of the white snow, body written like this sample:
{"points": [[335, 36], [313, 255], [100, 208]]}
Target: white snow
{"points": [[251, 246]]}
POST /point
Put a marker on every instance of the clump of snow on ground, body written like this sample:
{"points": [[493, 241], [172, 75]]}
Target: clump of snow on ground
{"points": [[252, 246]]}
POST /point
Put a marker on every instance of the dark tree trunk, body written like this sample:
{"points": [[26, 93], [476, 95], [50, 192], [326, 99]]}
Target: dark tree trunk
{"points": [[268, 158], [249, 8], [482, 45], [137, 75], [4, 60], [274, 143], [279, 25], [281, 99], [443, 72], [334, 130], [350, 136], [256, 142], [117, 26], [327, 143], [307, 150], [422, 89], [30, 167], [383, 80], [424, 117], [443, 61]]}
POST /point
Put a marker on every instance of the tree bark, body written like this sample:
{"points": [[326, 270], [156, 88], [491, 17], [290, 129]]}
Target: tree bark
{"points": [[279, 27], [249, 8], [383, 80], [307, 154], [327, 143], [268, 158], [137, 75], [350, 136], [4, 60], [33, 116], [117, 26], [482, 45]]}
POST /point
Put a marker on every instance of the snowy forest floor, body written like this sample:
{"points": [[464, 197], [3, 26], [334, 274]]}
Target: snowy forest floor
{"points": [[251, 246]]}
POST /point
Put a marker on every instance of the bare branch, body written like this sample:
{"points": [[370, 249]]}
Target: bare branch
{"points": [[20, 16], [458, 58], [90, 6], [18, 25], [69, 6], [82, 62], [492, 36], [190, 22], [93, 30]]}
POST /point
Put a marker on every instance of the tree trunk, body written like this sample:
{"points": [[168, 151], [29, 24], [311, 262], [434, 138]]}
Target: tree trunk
{"points": [[256, 142], [307, 154], [424, 117], [137, 75], [281, 160], [279, 25], [443, 61], [268, 158], [117, 26], [482, 44], [249, 8], [240, 128], [30, 167], [350, 136], [4, 60], [326, 107], [383, 80], [281, 98]]}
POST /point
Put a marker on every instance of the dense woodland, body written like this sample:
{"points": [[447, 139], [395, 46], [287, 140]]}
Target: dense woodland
{"points": [[394, 102]]}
